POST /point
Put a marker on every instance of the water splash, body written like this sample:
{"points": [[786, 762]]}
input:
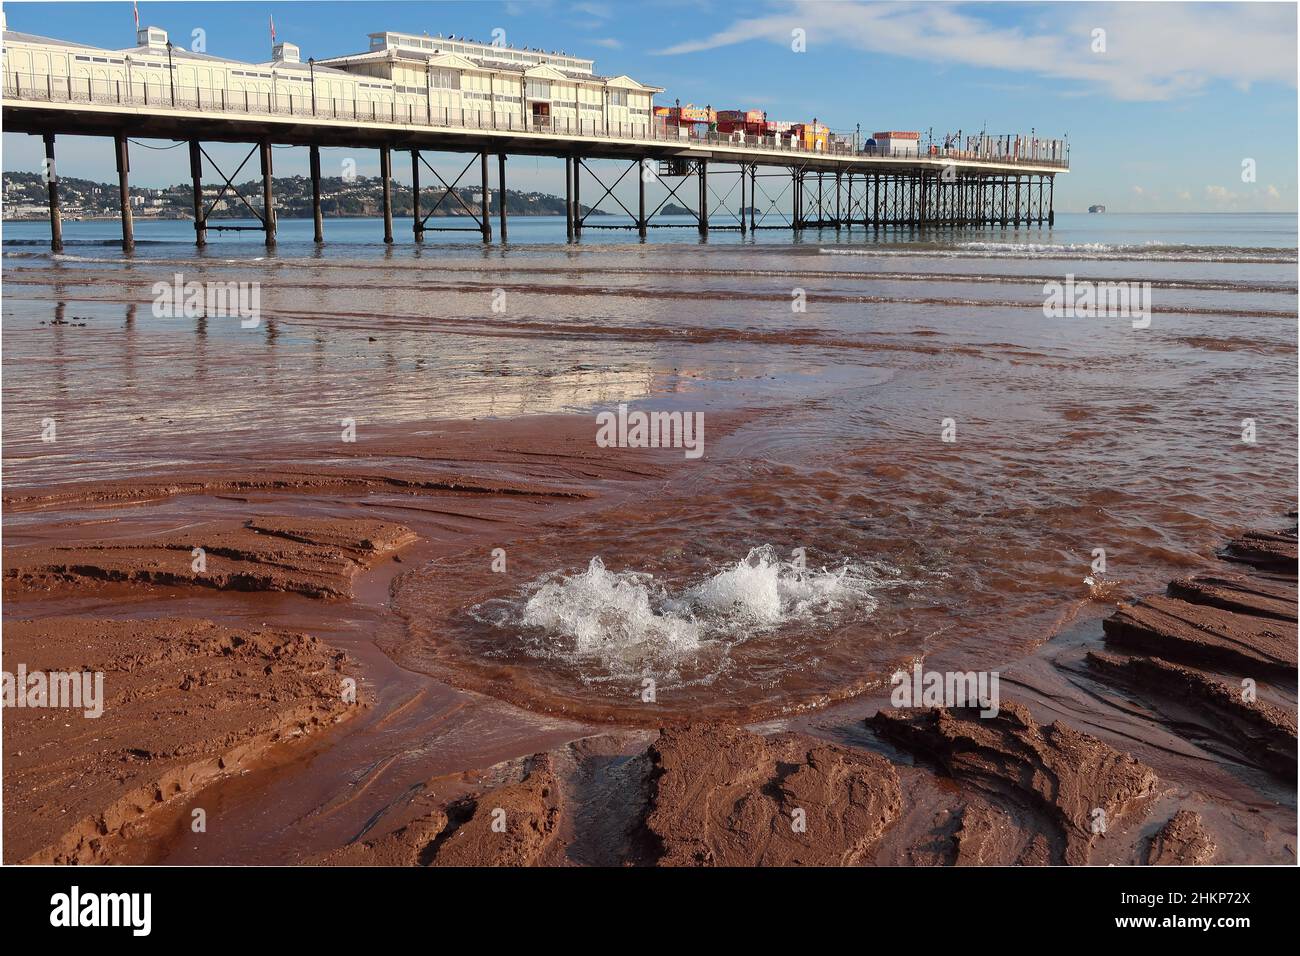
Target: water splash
{"points": [[609, 612], [761, 589], [623, 622]]}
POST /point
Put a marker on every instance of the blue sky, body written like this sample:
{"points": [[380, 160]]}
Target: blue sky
{"points": [[1161, 120]]}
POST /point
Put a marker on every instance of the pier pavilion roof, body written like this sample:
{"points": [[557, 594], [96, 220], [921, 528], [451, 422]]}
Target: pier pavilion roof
{"points": [[467, 60], [13, 36]]}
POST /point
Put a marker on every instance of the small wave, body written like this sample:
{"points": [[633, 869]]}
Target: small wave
{"points": [[68, 257], [1138, 252], [93, 242], [1038, 247]]}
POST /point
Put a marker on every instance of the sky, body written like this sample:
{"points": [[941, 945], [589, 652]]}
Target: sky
{"points": [[1163, 107]]}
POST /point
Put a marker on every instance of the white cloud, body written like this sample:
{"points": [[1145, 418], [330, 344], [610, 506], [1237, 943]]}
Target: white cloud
{"points": [[1154, 51], [607, 42], [597, 11]]}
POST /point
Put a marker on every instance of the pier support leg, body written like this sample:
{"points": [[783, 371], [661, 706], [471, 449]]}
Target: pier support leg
{"points": [[577, 197], [753, 196], [196, 176], [318, 220], [742, 199], [417, 227], [487, 221], [124, 192], [796, 190], [839, 184], [52, 190], [501, 193], [268, 196], [568, 196], [1051, 201], [386, 175], [640, 197], [1017, 216], [703, 170]]}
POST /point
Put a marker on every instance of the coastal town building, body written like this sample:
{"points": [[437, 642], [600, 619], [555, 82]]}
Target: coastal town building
{"points": [[896, 142]]}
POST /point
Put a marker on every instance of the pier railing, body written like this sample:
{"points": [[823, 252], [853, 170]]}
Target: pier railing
{"points": [[32, 87]]}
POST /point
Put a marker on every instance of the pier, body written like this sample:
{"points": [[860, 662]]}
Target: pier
{"points": [[727, 181]]}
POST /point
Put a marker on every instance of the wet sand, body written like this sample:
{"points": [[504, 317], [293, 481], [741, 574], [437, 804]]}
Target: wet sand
{"points": [[301, 593], [92, 565]]}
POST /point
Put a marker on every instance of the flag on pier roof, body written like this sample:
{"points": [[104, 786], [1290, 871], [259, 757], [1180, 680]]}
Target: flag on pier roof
{"points": [[135, 8], [273, 29]]}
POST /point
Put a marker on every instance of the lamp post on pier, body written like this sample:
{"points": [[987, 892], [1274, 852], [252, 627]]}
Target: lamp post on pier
{"points": [[311, 68], [171, 72]]}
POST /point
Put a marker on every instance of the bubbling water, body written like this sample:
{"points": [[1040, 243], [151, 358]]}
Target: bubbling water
{"points": [[604, 612], [621, 622], [763, 590]]}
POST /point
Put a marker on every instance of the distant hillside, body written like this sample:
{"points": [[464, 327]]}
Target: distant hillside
{"points": [[25, 198]]}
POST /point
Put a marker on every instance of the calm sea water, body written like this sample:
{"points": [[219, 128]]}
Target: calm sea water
{"points": [[1076, 232], [1071, 434]]}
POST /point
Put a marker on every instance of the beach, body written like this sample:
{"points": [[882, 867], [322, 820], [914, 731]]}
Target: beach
{"points": [[394, 478]]}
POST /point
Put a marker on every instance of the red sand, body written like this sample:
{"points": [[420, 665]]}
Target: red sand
{"points": [[206, 686]]}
